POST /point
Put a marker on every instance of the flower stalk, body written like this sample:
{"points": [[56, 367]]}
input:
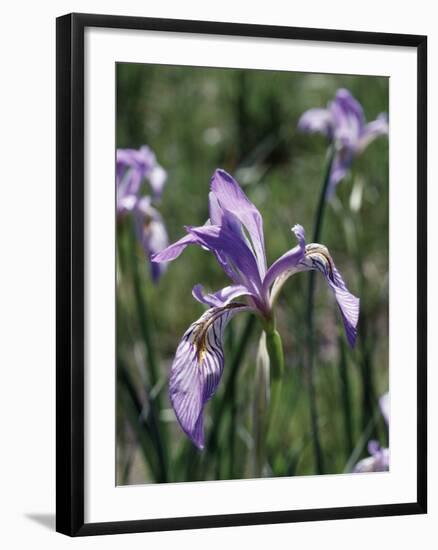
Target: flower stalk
{"points": [[261, 406], [274, 347]]}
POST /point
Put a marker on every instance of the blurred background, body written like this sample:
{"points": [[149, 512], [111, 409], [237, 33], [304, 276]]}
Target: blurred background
{"points": [[245, 121]]}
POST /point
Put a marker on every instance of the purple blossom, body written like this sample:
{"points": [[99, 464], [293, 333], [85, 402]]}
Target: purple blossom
{"points": [[234, 234], [343, 122], [377, 462], [133, 167], [379, 459]]}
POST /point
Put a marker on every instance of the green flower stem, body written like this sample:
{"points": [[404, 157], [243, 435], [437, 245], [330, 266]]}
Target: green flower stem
{"points": [[274, 347], [319, 218], [317, 449], [261, 406], [275, 352]]}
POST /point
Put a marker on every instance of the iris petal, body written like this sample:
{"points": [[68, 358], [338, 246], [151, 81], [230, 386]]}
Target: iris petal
{"points": [[232, 253], [174, 250], [197, 368], [315, 257], [221, 297], [318, 258], [372, 130], [288, 263], [230, 198], [348, 119], [316, 120], [152, 233]]}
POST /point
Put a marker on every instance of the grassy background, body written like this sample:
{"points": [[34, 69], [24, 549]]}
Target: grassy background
{"points": [[199, 119]]}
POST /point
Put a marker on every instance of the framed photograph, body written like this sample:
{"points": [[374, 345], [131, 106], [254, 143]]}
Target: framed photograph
{"points": [[241, 274]]}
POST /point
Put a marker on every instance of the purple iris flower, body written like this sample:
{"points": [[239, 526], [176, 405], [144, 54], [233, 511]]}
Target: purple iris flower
{"points": [[234, 234], [343, 122], [379, 459], [377, 462], [133, 167]]}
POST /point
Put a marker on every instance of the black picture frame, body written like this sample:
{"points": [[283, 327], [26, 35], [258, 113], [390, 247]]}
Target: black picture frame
{"points": [[70, 272]]}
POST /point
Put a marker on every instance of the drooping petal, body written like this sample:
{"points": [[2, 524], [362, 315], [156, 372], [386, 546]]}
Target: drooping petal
{"points": [[134, 165], [318, 258], [316, 121], [229, 197], [372, 130], [340, 165], [126, 203], [220, 298], [152, 234], [314, 257], [155, 173], [287, 264], [197, 369], [128, 185]]}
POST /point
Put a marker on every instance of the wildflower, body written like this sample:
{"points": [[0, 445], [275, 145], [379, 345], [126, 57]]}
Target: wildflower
{"points": [[133, 167], [234, 234], [377, 462], [343, 122], [379, 459]]}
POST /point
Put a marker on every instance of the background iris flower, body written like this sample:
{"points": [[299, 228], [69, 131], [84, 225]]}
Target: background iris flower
{"points": [[343, 122], [234, 234], [133, 167], [379, 459]]}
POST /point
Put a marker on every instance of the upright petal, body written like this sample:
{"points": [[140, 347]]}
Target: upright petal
{"points": [[348, 119], [229, 197], [233, 254], [197, 369], [340, 166], [152, 234], [317, 121], [126, 203], [140, 164], [128, 183], [155, 173]]}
